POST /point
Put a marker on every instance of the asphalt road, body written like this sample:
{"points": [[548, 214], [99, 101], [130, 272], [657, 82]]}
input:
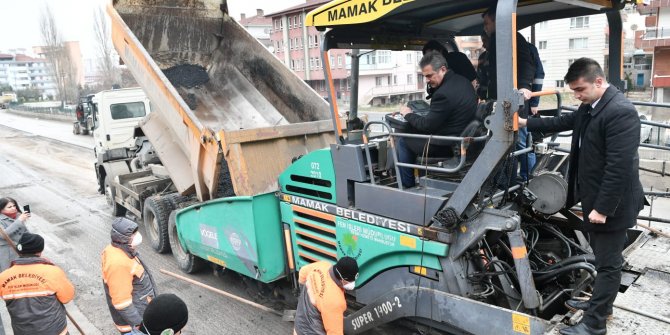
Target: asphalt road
{"points": [[56, 178], [43, 164]]}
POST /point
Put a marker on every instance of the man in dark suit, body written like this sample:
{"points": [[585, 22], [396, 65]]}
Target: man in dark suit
{"points": [[458, 62], [603, 175], [452, 108]]}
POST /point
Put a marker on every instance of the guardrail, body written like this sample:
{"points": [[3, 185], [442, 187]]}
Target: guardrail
{"points": [[455, 140], [658, 125], [45, 110]]}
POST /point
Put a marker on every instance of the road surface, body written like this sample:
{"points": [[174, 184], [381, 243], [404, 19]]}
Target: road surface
{"points": [[43, 164], [56, 178]]}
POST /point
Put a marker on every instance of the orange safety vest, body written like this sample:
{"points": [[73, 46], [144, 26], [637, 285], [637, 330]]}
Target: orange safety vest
{"points": [[324, 295]]}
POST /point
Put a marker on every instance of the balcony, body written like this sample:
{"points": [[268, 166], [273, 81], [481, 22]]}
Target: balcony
{"points": [[652, 7], [654, 37], [660, 80], [387, 91]]}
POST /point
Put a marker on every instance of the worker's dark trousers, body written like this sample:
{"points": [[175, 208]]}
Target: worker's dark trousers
{"points": [[608, 248]]}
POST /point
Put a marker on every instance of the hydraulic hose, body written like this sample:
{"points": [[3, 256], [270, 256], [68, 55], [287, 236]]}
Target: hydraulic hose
{"points": [[542, 276], [585, 258]]}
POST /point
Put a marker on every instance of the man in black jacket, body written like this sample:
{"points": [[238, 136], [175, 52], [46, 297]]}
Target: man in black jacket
{"points": [[603, 175], [458, 62], [452, 108]]}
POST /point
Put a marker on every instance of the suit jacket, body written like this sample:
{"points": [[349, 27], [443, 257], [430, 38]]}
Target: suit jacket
{"points": [[603, 172], [452, 108]]}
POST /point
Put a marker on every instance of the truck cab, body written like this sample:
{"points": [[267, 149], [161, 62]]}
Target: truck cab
{"points": [[120, 145], [118, 114]]}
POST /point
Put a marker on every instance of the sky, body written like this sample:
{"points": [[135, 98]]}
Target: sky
{"points": [[20, 27]]}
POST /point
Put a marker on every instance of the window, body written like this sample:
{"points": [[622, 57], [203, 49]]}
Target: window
{"points": [[384, 57], [297, 43], [300, 20], [543, 25], [318, 63], [342, 84], [578, 43], [579, 22], [542, 45], [560, 83], [339, 61], [332, 62], [290, 22], [281, 24], [295, 22], [127, 110], [409, 58], [311, 63], [277, 24], [378, 81], [410, 79], [292, 64], [395, 80]]}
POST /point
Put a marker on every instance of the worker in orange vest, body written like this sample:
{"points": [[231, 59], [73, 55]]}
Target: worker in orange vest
{"points": [[129, 286], [322, 304], [35, 290]]}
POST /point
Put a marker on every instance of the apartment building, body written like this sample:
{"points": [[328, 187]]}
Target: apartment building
{"points": [[389, 77], [298, 47], [74, 56], [384, 76], [561, 42], [21, 71], [258, 26], [655, 38]]}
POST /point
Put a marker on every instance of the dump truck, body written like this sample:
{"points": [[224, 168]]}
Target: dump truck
{"points": [[259, 175]]}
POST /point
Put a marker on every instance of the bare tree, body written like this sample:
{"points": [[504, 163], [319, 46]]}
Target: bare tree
{"points": [[109, 73], [64, 72]]}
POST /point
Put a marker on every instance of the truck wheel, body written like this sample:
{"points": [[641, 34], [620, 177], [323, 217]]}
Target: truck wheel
{"points": [[185, 260], [110, 194], [155, 218]]}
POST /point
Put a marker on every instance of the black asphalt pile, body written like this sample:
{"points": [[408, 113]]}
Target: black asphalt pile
{"points": [[189, 98], [225, 187], [187, 75]]}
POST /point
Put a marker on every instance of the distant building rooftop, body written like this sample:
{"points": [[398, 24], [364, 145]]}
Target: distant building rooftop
{"points": [[309, 4], [26, 58], [258, 20]]}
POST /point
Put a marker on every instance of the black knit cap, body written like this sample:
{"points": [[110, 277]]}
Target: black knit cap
{"points": [[347, 268], [30, 244], [166, 311]]}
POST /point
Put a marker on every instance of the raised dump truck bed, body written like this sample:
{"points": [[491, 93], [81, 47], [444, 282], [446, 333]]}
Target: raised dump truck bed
{"points": [[226, 111]]}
